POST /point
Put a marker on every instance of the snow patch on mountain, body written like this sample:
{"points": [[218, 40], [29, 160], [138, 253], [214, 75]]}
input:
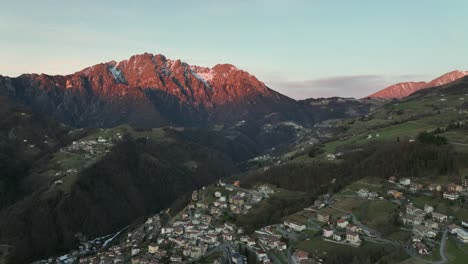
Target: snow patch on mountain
{"points": [[117, 73], [201, 79]]}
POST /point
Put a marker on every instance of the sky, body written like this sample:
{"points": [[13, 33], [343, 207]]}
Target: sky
{"points": [[301, 48]]}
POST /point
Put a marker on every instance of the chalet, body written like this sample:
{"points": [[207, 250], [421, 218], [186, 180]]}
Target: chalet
{"points": [[433, 187], [342, 223], [452, 187], [392, 179], [322, 217], [296, 226], [353, 238], [327, 232], [438, 217], [405, 181], [449, 195], [415, 186]]}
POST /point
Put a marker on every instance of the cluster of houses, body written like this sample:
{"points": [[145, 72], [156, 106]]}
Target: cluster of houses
{"points": [[425, 222], [134, 247], [93, 146], [341, 230], [195, 231], [268, 239], [200, 227], [452, 191], [366, 194], [239, 201]]}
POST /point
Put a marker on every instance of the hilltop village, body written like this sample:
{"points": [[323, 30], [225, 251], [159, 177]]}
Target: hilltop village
{"points": [[203, 233]]}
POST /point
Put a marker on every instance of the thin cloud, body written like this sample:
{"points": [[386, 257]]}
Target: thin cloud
{"points": [[343, 86]]}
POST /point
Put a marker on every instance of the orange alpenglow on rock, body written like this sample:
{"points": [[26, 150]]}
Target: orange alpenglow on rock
{"points": [[404, 89]]}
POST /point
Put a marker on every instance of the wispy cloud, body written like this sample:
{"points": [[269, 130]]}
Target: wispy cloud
{"points": [[343, 86]]}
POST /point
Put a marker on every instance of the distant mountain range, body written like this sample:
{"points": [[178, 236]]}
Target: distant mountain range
{"points": [[404, 89]]}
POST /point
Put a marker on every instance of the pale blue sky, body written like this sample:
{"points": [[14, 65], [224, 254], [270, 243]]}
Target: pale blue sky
{"points": [[300, 48]]}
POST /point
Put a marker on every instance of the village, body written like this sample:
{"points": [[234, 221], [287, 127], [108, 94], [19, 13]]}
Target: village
{"points": [[201, 230], [80, 154]]}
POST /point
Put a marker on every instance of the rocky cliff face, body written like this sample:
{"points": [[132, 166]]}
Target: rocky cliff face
{"points": [[148, 90], [401, 90]]}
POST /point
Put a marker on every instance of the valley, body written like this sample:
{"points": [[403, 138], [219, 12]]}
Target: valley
{"points": [[120, 155]]}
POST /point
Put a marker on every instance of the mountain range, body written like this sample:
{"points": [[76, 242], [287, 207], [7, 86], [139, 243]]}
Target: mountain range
{"points": [[404, 89], [151, 90], [181, 127]]}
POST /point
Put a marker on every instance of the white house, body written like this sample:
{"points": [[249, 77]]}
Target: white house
{"points": [[464, 223], [428, 209], [451, 195], [353, 238], [405, 181], [337, 237], [342, 223], [439, 217], [462, 235], [363, 193], [327, 232], [294, 225]]}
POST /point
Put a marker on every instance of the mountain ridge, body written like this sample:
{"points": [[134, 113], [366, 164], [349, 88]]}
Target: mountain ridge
{"points": [[151, 90], [403, 89]]}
